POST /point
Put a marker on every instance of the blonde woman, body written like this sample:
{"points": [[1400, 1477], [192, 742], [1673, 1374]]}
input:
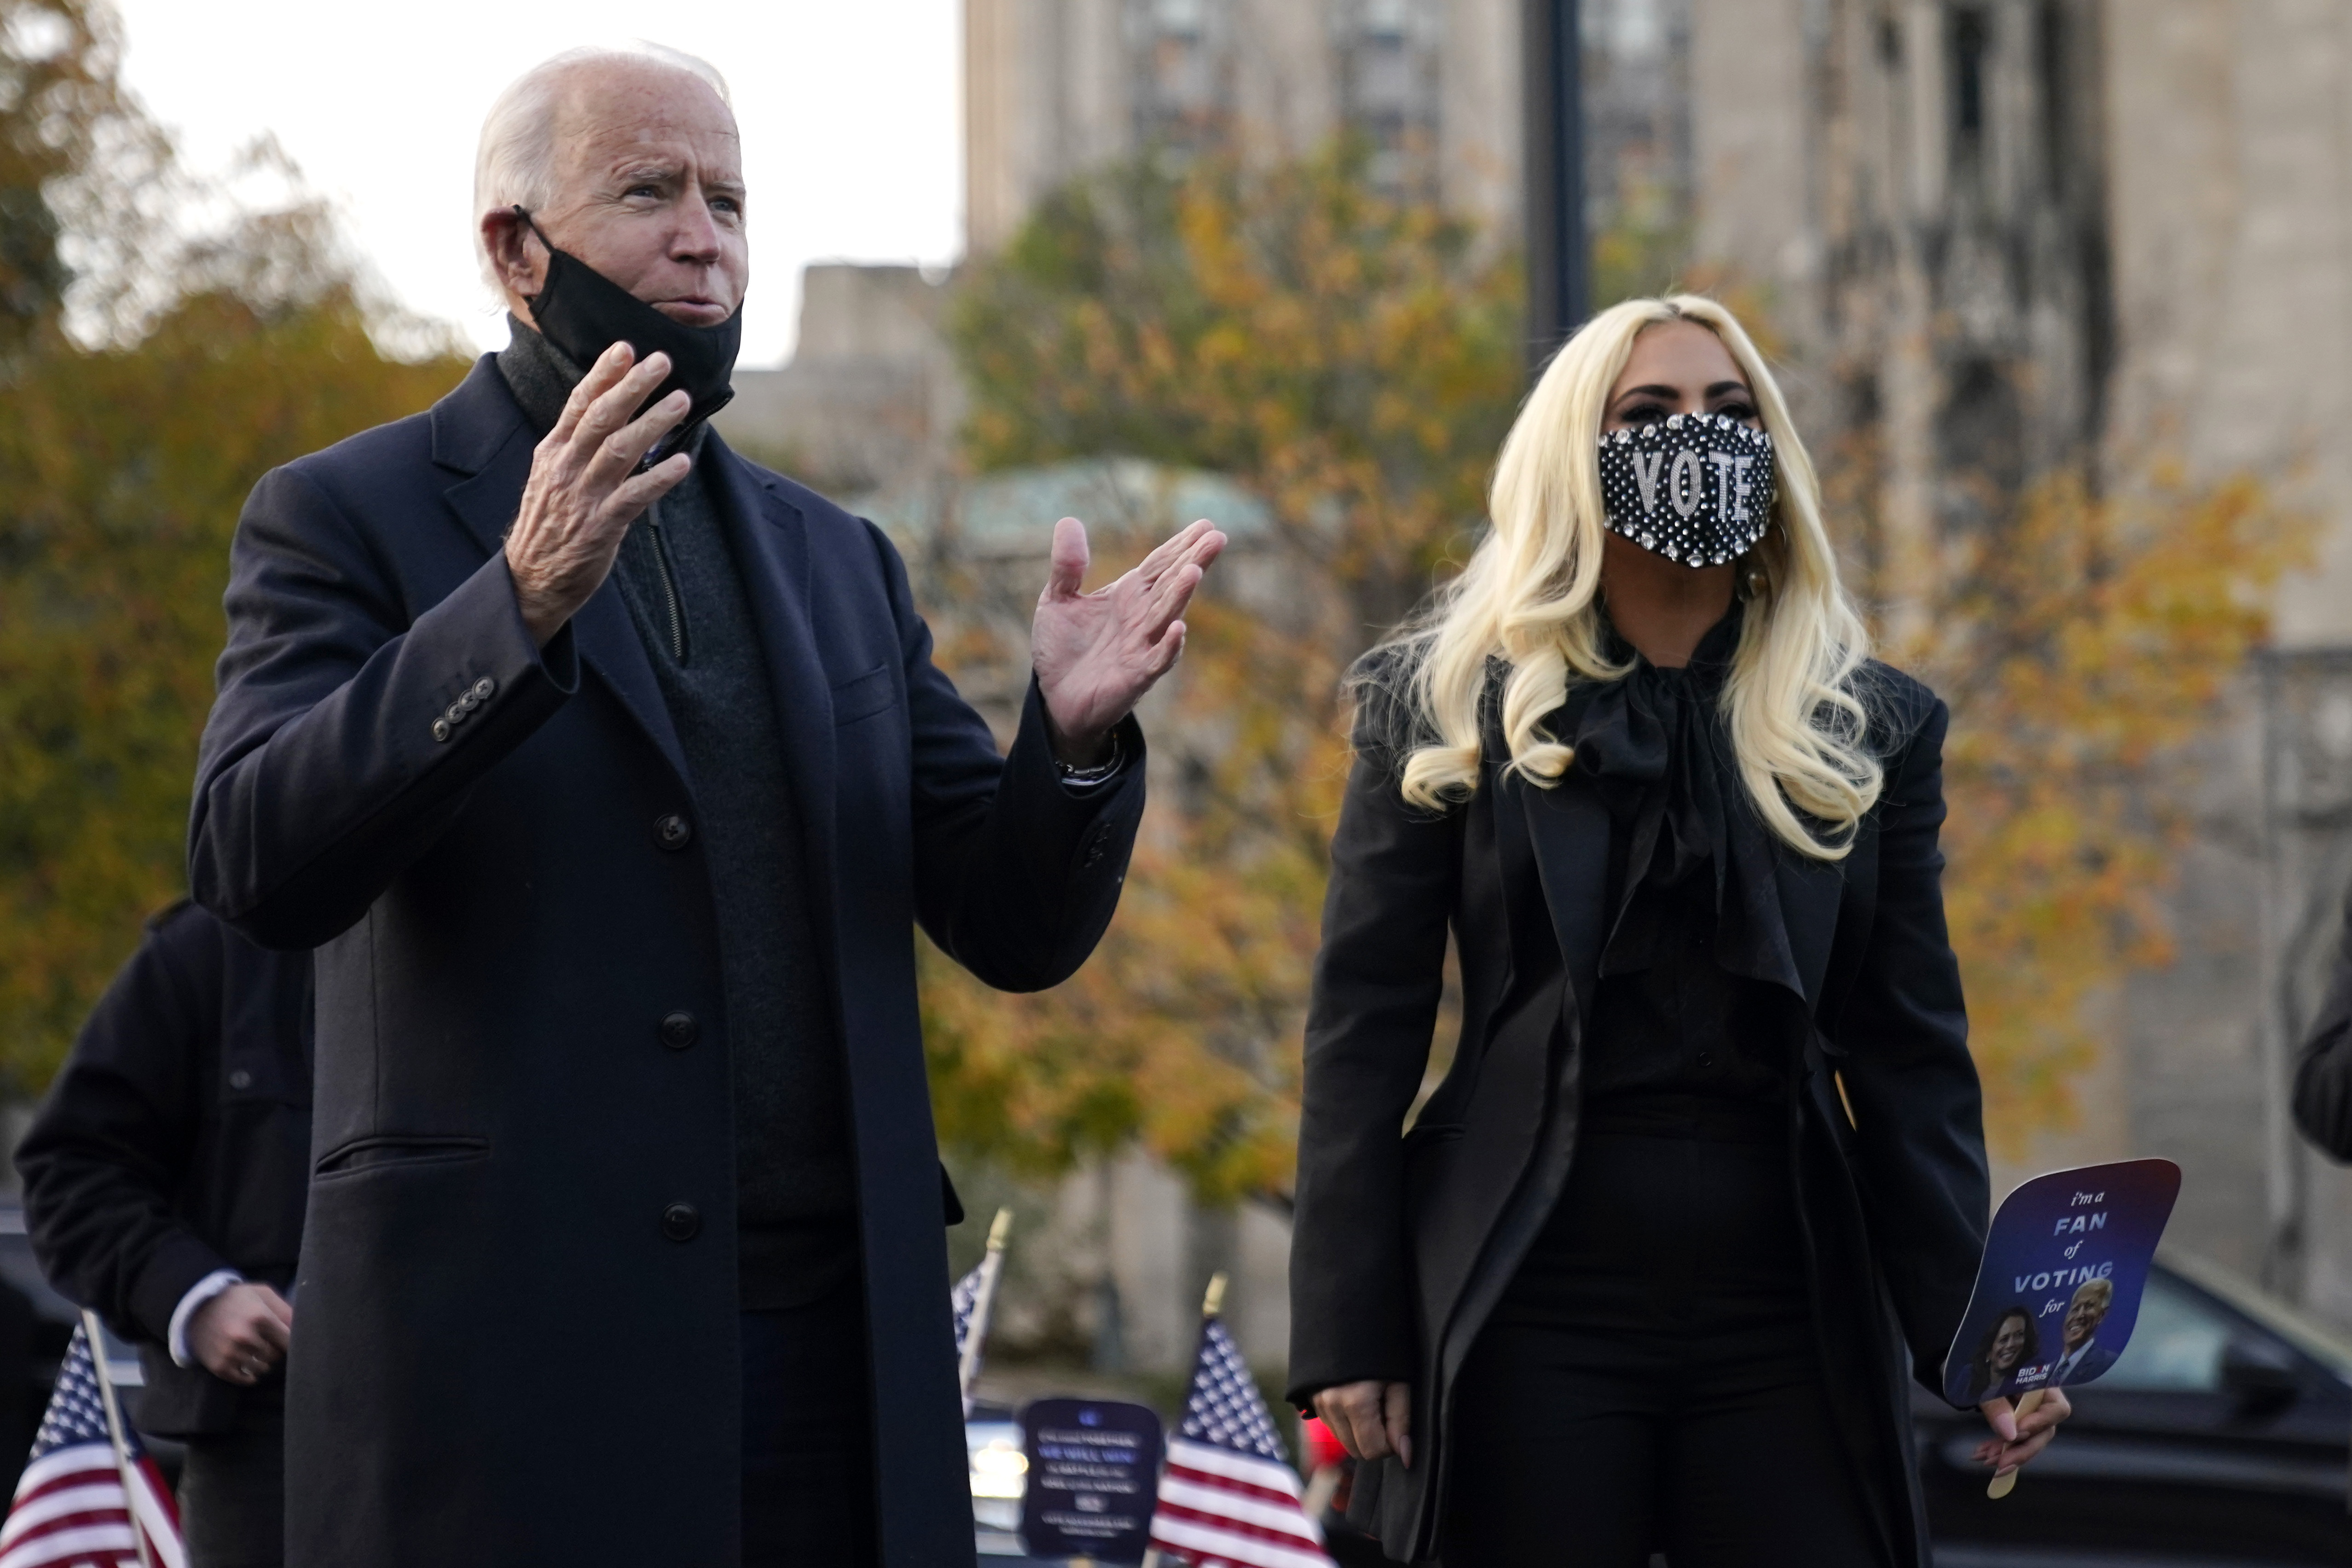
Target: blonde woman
{"points": [[1706, 1179]]}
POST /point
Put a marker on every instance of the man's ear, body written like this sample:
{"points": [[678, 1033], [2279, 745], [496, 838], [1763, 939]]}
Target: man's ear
{"points": [[521, 266]]}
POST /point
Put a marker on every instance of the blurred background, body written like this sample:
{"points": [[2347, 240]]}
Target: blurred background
{"points": [[2060, 289]]}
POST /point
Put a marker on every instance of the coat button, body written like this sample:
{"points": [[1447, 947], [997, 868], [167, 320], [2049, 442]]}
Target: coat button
{"points": [[441, 729], [681, 1222], [240, 1079], [483, 688], [679, 1031], [671, 832]]}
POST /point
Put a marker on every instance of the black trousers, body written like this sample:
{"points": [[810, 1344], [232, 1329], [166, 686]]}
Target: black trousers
{"points": [[232, 1488], [1649, 1381], [808, 1449]]}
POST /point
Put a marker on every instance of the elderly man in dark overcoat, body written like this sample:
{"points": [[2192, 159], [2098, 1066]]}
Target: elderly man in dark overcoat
{"points": [[609, 774]]}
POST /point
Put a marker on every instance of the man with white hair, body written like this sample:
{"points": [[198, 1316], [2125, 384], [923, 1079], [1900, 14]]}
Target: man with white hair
{"points": [[609, 774]]}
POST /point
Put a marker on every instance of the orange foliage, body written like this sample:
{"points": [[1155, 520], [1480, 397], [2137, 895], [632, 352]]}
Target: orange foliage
{"points": [[1352, 361], [2083, 645]]}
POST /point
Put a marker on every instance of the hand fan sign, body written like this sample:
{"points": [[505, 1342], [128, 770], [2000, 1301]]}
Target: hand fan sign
{"points": [[2058, 1292]]}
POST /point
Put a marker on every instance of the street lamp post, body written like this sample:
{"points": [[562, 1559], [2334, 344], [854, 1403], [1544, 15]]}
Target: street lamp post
{"points": [[1559, 259]]}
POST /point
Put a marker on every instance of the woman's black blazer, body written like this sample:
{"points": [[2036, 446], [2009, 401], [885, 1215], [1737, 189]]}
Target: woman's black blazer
{"points": [[1404, 1238]]}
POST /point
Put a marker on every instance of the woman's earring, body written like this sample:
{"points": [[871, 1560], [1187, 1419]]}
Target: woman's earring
{"points": [[1752, 582]]}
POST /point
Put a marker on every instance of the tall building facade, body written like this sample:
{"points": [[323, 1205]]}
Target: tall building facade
{"points": [[1054, 88], [1999, 236], [1919, 189]]}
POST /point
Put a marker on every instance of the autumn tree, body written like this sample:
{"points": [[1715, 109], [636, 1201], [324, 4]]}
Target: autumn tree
{"points": [[2083, 640], [1352, 361], [59, 105], [123, 464]]}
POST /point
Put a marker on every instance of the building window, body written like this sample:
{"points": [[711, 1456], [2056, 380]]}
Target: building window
{"points": [[1971, 44], [2050, 85], [1184, 56], [1388, 53]]}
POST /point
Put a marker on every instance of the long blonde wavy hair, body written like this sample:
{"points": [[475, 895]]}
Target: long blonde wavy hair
{"points": [[1531, 599]]}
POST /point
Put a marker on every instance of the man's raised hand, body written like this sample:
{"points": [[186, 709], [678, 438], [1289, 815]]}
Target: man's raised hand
{"points": [[584, 490], [1097, 653]]}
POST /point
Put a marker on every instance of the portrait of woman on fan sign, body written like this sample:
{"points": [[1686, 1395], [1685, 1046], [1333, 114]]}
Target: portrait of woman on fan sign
{"points": [[1635, 766], [2011, 1342]]}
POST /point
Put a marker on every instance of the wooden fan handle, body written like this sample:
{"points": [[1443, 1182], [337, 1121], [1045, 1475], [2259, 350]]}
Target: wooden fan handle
{"points": [[2001, 1485]]}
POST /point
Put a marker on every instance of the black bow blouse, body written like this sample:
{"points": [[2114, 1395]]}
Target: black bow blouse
{"points": [[1680, 1036]]}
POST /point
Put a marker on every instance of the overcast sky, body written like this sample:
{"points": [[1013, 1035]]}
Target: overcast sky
{"points": [[851, 112]]}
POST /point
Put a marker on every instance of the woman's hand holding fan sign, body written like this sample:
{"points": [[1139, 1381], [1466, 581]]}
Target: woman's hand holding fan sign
{"points": [[2056, 1299]]}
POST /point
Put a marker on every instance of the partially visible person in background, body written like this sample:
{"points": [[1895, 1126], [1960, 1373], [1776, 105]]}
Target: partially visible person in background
{"points": [[164, 1183], [2323, 1078]]}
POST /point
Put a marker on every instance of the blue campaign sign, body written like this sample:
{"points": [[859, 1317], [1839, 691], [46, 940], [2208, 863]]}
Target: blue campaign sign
{"points": [[2059, 1290], [1093, 1476]]}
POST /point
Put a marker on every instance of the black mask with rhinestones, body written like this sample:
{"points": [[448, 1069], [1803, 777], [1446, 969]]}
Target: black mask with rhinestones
{"points": [[1695, 488]]}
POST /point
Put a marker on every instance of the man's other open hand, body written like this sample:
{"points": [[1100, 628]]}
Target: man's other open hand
{"points": [[1097, 653]]}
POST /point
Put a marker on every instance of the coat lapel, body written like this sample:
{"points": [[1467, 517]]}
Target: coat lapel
{"points": [[771, 541], [1810, 893], [1566, 827], [479, 433]]}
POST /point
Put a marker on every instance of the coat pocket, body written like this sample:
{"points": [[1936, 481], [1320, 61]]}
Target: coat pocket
{"points": [[386, 1151], [862, 697]]}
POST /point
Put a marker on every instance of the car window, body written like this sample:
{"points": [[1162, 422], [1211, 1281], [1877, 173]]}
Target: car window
{"points": [[2177, 1346], [18, 1268], [2308, 1337]]}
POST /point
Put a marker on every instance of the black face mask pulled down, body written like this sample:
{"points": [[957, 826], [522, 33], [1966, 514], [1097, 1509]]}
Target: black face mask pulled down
{"points": [[1694, 487], [583, 313]]}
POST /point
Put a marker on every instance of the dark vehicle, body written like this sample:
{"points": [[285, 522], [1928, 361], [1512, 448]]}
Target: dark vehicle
{"points": [[2223, 1435], [35, 1324]]}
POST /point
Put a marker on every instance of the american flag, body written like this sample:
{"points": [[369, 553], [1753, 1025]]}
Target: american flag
{"points": [[69, 1511], [1228, 1497], [965, 1300], [970, 1300]]}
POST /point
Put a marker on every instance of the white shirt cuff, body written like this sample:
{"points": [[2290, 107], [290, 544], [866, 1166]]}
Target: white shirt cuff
{"points": [[202, 1291]]}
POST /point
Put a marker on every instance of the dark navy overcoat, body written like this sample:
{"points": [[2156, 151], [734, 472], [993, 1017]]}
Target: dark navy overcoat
{"points": [[516, 1314]]}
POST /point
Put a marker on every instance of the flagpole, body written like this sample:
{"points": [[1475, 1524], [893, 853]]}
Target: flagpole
{"points": [[1213, 1303], [983, 1302], [131, 1480]]}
